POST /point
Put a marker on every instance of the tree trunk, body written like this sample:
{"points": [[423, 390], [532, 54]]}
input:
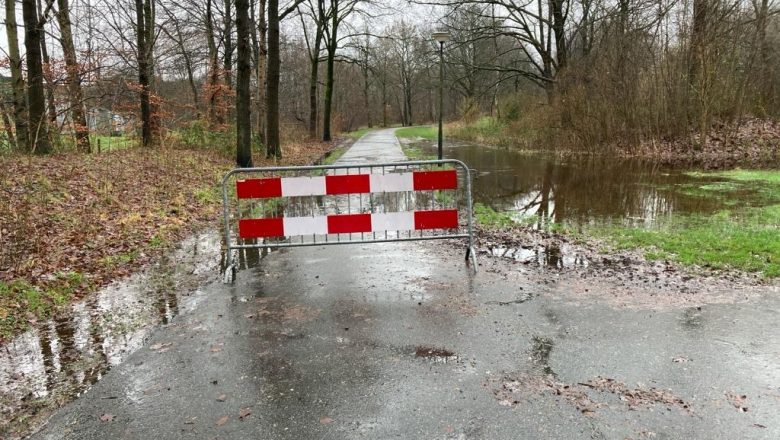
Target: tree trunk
{"points": [[272, 147], [314, 74], [143, 71], [243, 75], [332, 46], [227, 36], [74, 78], [261, 54], [51, 109], [17, 80], [212, 88], [698, 39], [9, 131], [39, 130]]}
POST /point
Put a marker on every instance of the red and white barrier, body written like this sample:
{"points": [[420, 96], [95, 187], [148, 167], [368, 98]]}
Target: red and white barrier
{"points": [[346, 184], [348, 223], [450, 216]]}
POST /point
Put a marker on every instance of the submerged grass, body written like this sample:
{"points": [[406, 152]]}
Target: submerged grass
{"points": [[22, 303], [745, 238], [748, 241]]}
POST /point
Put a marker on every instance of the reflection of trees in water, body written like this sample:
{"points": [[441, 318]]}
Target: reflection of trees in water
{"points": [[578, 189]]}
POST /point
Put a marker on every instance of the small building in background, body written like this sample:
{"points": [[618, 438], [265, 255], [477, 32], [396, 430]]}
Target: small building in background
{"points": [[104, 122]]}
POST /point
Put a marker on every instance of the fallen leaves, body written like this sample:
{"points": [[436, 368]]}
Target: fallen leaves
{"points": [[738, 401], [325, 420], [221, 398], [244, 413], [223, 420], [161, 347], [584, 395], [106, 215], [106, 417]]}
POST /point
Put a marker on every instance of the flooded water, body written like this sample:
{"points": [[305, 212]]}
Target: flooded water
{"points": [[543, 189], [59, 359]]}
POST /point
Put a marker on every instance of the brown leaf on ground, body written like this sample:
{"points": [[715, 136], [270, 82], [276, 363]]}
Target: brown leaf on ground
{"points": [[738, 401], [244, 413], [104, 216], [325, 420], [221, 398], [216, 349], [106, 417], [160, 346], [223, 420]]}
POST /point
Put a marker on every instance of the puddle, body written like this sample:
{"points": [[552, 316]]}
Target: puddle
{"points": [[435, 354], [540, 354], [551, 256], [60, 359]]}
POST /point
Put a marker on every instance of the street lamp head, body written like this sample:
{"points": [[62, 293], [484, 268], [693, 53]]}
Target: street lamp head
{"points": [[442, 36]]}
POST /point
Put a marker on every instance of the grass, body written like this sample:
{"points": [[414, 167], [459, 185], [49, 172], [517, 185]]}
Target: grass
{"points": [[22, 303], [357, 134], [745, 239], [485, 130], [489, 218], [748, 241], [335, 155], [111, 143], [428, 132]]}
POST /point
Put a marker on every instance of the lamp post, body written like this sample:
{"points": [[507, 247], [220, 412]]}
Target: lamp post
{"points": [[442, 37]]}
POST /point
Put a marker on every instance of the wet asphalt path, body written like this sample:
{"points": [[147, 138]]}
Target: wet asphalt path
{"points": [[322, 343]]}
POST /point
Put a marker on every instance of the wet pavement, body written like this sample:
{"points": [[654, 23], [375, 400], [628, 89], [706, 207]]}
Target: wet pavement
{"points": [[401, 340]]}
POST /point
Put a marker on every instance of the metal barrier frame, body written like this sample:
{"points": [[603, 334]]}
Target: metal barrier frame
{"points": [[230, 268]]}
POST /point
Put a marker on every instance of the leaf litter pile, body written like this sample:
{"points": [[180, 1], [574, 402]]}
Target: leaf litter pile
{"points": [[587, 397], [71, 224]]}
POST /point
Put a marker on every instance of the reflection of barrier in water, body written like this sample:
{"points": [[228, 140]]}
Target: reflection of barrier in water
{"points": [[346, 204]]}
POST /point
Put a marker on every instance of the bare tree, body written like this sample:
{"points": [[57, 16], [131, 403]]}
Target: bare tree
{"points": [[17, 80], [75, 95], [39, 130]]}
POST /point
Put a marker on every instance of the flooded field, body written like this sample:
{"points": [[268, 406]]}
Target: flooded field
{"points": [[542, 189]]}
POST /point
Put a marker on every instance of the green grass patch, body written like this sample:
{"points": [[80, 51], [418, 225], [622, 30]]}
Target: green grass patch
{"points": [[748, 240], [21, 302], [111, 143], [119, 259], [767, 176], [489, 218], [428, 132], [208, 195], [357, 134], [486, 129], [737, 187], [335, 155]]}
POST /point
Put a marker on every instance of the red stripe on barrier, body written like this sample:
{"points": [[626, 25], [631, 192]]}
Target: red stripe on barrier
{"points": [[440, 219], [347, 223], [354, 184], [428, 180], [259, 188], [261, 227]]}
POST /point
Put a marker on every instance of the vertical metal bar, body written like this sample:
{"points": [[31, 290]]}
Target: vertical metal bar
{"points": [[226, 214]]}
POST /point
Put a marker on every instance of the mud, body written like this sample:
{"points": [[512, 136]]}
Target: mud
{"points": [[588, 397]]}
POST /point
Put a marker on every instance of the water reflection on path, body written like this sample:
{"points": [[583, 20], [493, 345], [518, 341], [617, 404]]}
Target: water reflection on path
{"points": [[59, 359]]}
